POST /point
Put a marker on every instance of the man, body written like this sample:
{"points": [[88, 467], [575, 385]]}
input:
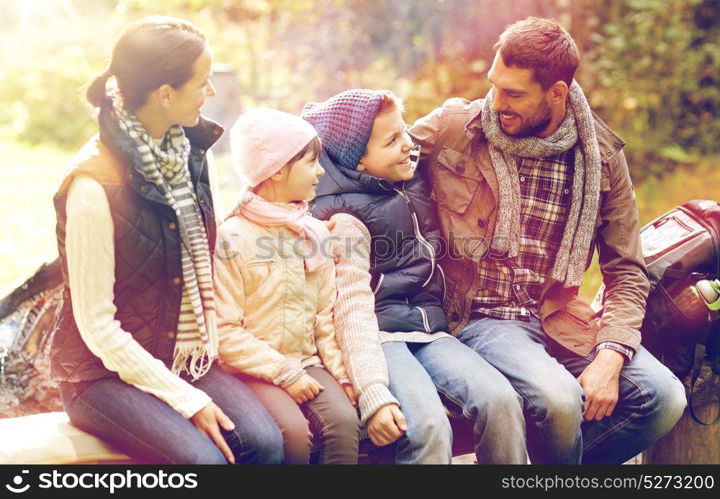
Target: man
{"points": [[527, 182]]}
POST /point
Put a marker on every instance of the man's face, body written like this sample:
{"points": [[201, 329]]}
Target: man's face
{"points": [[519, 100]]}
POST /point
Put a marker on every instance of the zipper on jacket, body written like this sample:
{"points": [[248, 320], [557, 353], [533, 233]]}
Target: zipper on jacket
{"points": [[377, 286], [426, 323], [444, 284], [418, 234]]}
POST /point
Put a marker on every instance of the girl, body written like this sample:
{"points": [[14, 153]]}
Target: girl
{"points": [[275, 290], [136, 341]]}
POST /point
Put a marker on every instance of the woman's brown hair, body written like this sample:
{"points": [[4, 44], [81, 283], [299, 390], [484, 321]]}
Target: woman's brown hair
{"points": [[152, 52]]}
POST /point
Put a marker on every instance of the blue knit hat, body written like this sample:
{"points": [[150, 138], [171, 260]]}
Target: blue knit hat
{"points": [[344, 123]]}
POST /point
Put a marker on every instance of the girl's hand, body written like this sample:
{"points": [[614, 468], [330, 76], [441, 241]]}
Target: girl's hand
{"points": [[350, 393], [209, 420], [304, 389]]}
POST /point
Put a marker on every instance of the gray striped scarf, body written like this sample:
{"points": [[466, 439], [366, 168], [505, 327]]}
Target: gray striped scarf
{"points": [[505, 151], [165, 164]]}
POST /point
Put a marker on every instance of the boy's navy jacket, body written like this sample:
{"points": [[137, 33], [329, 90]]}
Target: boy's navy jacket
{"points": [[406, 278]]}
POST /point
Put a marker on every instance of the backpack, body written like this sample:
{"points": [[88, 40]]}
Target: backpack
{"points": [[27, 317], [681, 248]]}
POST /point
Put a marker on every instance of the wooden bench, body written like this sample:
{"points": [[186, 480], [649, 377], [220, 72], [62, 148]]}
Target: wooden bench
{"points": [[50, 439]]}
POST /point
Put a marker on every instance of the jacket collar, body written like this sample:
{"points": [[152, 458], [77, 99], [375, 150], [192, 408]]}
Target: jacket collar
{"points": [[201, 137], [204, 134], [339, 180]]}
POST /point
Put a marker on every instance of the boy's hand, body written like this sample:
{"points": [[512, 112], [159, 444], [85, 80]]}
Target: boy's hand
{"points": [[350, 393], [386, 425], [304, 389]]}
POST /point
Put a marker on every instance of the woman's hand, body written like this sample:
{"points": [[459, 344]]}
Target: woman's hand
{"points": [[208, 420], [304, 389], [386, 425]]}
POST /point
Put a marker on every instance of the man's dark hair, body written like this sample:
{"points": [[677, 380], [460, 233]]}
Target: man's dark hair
{"points": [[541, 45]]}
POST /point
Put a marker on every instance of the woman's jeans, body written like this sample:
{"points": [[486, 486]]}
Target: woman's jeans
{"points": [[650, 402], [418, 371], [149, 430]]}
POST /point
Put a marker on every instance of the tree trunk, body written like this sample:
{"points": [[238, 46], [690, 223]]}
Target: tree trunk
{"points": [[689, 442]]}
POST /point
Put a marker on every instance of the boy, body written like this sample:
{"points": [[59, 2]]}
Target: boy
{"points": [[390, 295]]}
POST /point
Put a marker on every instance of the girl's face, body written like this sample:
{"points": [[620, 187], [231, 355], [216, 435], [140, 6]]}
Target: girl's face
{"points": [[301, 178], [186, 102]]}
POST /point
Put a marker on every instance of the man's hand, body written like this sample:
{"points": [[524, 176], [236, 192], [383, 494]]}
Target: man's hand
{"points": [[350, 393], [386, 425], [208, 420], [601, 383], [304, 388]]}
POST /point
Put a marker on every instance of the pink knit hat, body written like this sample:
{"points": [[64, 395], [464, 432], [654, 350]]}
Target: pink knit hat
{"points": [[263, 140]]}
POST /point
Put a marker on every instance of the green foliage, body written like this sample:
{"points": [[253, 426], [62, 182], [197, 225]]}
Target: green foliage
{"points": [[650, 67], [45, 64], [284, 53], [47, 105], [654, 75]]}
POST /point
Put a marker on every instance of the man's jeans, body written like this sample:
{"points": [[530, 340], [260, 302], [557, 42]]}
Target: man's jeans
{"points": [[651, 399], [418, 371], [149, 430]]}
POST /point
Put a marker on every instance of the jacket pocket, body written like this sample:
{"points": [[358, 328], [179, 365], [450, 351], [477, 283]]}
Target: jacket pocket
{"points": [[456, 179], [258, 274], [574, 327]]}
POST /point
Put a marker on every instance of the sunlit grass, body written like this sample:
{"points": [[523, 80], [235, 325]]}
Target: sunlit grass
{"points": [[28, 179]]}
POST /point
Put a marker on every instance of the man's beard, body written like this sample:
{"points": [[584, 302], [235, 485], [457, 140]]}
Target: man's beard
{"points": [[535, 124]]}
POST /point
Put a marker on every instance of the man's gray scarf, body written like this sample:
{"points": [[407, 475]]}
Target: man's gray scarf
{"points": [[165, 164], [506, 150]]}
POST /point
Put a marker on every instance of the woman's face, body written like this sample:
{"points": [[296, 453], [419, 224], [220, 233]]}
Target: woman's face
{"points": [[188, 100]]}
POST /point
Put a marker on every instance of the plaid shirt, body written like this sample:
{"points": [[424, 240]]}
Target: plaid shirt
{"points": [[511, 288]]}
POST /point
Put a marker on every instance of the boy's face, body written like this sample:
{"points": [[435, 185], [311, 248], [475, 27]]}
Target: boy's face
{"points": [[388, 151]]}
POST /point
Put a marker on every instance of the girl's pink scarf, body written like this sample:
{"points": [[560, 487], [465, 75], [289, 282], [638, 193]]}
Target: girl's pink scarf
{"points": [[263, 212]]}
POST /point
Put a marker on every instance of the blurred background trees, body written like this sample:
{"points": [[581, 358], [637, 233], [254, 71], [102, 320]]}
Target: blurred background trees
{"points": [[650, 67]]}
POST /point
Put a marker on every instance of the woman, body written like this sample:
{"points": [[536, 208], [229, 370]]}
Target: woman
{"points": [[136, 342]]}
